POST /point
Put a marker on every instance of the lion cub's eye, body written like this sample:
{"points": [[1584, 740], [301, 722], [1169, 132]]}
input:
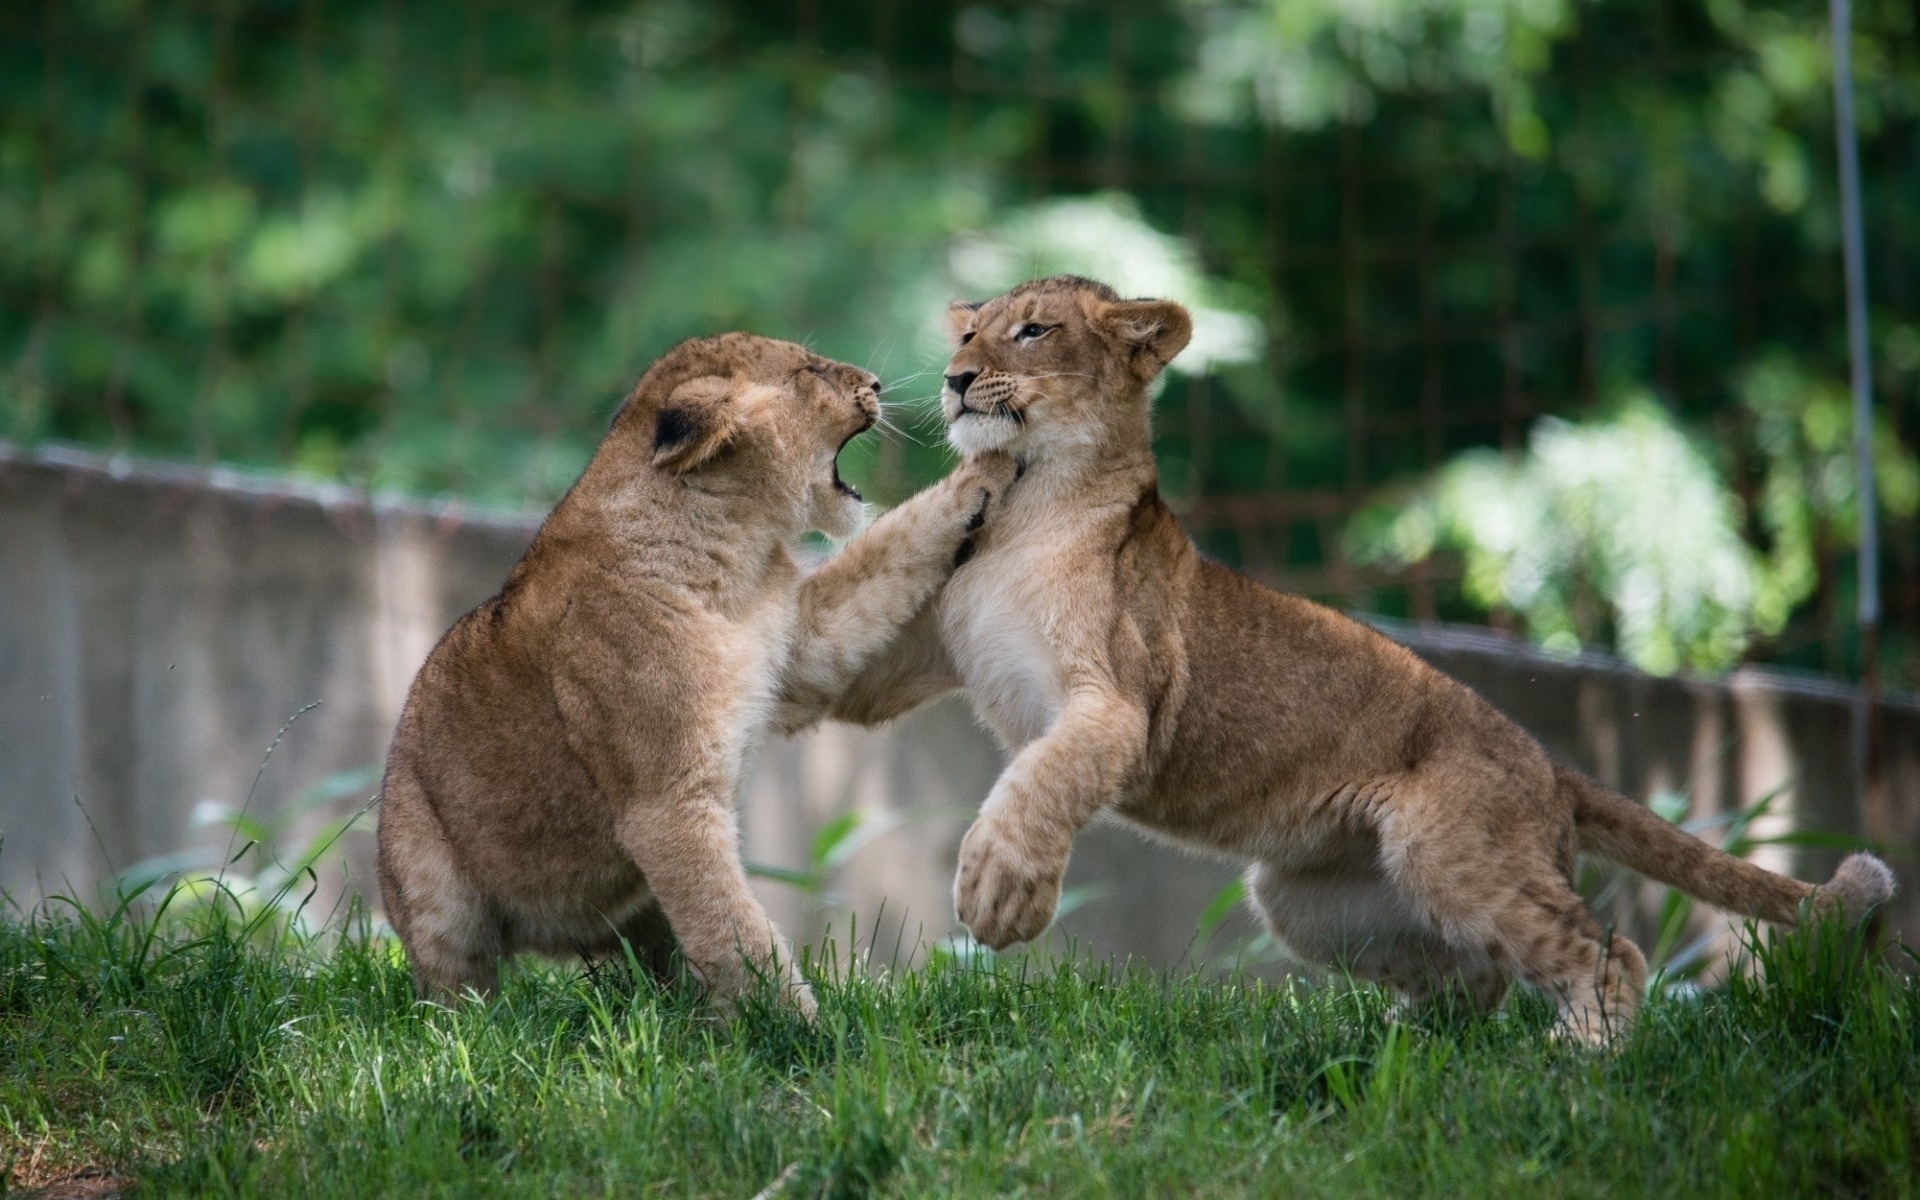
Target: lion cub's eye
{"points": [[966, 337], [1031, 330]]}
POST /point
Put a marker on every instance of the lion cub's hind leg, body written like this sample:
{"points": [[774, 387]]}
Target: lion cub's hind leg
{"points": [[452, 935], [1358, 921], [455, 950], [1481, 850]]}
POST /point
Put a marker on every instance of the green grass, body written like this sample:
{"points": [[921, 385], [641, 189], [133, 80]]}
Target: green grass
{"points": [[196, 1061]]}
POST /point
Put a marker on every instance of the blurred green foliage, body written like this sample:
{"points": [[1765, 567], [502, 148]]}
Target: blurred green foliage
{"points": [[1627, 512], [428, 246], [1623, 531]]}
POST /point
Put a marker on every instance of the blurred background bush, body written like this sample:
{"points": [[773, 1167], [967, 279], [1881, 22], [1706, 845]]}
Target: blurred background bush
{"points": [[1518, 311]]}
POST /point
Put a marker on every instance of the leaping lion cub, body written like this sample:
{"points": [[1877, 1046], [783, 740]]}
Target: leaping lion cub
{"points": [[1395, 822], [565, 766]]}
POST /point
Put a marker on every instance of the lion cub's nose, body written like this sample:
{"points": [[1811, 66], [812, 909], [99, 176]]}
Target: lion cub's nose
{"points": [[961, 382]]}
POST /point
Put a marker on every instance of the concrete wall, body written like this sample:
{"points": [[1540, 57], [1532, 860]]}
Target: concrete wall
{"points": [[159, 626]]}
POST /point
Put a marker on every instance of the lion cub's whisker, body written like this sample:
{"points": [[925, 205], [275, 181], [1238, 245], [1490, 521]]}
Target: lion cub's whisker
{"points": [[930, 400], [904, 380], [888, 429]]}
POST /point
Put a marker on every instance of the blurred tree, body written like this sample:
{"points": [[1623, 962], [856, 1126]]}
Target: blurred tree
{"points": [[1654, 183], [1624, 531], [427, 246]]}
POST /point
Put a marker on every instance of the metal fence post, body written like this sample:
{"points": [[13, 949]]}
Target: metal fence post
{"points": [[1865, 747]]}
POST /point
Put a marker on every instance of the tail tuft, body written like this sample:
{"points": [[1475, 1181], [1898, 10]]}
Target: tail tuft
{"points": [[1862, 884]]}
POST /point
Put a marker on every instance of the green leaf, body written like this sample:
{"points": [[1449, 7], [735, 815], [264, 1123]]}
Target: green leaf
{"points": [[1076, 898], [1216, 911], [828, 841], [805, 881]]}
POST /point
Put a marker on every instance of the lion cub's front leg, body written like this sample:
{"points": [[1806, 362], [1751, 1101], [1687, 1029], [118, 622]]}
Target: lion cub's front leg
{"points": [[668, 756], [688, 848], [1014, 857], [854, 607]]}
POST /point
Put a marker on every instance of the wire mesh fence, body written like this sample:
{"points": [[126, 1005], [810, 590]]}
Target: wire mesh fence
{"points": [[429, 245]]}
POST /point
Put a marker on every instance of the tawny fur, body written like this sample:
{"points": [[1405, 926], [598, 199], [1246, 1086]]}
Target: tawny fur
{"points": [[1396, 823], [565, 768]]}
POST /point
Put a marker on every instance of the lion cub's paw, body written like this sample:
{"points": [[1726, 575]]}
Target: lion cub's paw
{"points": [[725, 991], [979, 484], [981, 481], [1007, 888], [800, 996]]}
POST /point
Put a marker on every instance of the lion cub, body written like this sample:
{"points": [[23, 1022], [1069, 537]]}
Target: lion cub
{"points": [[565, 767], [1395, 822]]}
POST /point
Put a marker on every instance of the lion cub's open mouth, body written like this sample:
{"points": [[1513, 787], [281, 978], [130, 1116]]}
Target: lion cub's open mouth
{"points": [[840, 485]]}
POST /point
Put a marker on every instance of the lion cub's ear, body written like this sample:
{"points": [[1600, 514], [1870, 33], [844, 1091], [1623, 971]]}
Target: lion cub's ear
{"points": [[696, 421], [1156, 330], [959, 316]]}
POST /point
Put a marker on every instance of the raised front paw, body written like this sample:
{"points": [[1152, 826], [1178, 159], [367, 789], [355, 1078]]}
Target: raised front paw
{"points": [[1008, 885], [982, 481], [980, 484]]}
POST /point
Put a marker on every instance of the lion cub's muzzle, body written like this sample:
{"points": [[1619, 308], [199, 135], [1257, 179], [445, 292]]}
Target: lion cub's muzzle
{"points": [[986, 394]]}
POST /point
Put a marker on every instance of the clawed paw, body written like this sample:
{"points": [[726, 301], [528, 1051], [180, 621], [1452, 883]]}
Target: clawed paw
{"points": [[983, 480], [1005, 892], [979, 516]]}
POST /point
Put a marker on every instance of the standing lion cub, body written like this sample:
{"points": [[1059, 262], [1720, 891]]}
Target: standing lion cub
{"points": [[565, 767], [1395, 822]]}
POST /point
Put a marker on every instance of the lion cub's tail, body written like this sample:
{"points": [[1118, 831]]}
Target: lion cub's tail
{"points": [[1615, 827]]}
